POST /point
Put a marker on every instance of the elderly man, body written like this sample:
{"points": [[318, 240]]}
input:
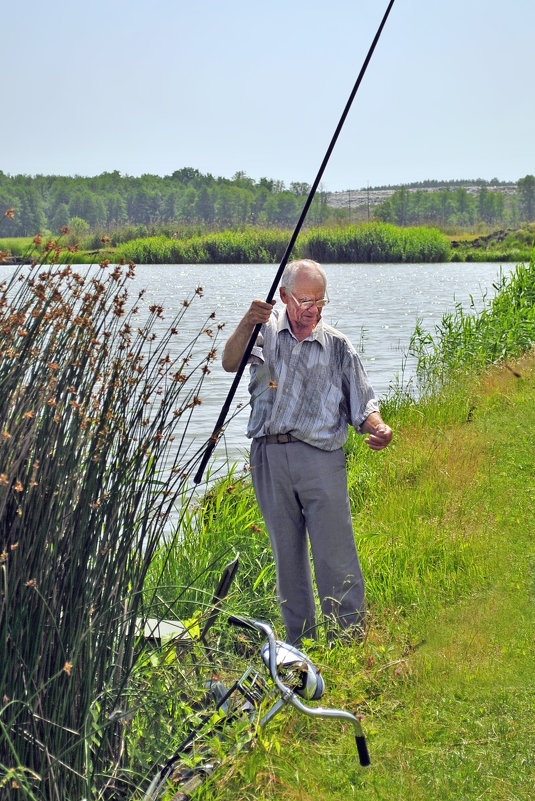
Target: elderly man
{"points": [[307, 384]]}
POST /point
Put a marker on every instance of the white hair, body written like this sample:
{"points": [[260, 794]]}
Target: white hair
{"points": [[308, 266]]}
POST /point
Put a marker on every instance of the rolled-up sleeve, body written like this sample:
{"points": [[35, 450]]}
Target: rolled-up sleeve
{"points": [[358, 391], [257, 351]]}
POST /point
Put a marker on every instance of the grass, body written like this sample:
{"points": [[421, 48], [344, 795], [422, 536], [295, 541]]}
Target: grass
{"points": [[513, 245], [434, 518], [15, 246], [466, 696], [445, 678]]}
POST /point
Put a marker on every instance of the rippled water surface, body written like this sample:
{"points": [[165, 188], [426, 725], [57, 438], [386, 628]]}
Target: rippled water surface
{"points": [[377, 306]]}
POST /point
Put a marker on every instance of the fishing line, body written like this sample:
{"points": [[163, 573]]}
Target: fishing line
{"points": [[219, 426]]}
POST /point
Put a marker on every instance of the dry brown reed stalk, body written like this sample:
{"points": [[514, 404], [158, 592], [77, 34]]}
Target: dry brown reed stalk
{"points": [[94, 410]]}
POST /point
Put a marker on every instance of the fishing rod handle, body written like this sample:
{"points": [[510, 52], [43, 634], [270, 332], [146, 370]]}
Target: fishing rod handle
{"points": [[362, 748], [219, 426]]}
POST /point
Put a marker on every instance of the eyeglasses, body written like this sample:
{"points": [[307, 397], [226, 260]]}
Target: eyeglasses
{"points": [[307, 303]]}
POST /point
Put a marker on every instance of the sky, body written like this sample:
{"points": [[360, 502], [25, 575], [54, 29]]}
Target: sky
{"points": [[259, 87]]}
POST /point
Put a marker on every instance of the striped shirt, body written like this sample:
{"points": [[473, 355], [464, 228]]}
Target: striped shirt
{"points": [[312, 389]]}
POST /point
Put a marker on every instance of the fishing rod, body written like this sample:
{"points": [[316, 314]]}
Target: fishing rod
{"points": [[219, 426]]}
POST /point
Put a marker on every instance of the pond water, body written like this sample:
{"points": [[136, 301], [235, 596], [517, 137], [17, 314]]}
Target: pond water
{"points": [[376, 305]]}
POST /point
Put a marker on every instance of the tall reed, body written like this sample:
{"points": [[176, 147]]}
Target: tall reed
{"points": [[505, 328], [375, 242], [251, 246], [369, 242], [94, 410]]}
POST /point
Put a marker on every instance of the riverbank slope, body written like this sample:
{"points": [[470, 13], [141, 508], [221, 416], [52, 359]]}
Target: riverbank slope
{"points": [[445, 679], [367, 242]]}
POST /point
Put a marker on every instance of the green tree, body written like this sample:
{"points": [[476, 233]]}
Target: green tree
{"points": [[281, 209], [400, 206], [60, 192], [144, 206], [232, 205], [171, 205], [490, 206], [186, 205], [464, 206], [204, 208], [242, 180], [78, 228], [299, 188], [116, 209], [258, 203], [187, 175], [32, 216], [526, 193], [266, 184], [60, 218], [9, 225]]}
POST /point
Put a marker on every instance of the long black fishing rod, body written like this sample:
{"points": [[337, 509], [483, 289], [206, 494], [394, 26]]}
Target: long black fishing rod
{"points": [[219, 426]]}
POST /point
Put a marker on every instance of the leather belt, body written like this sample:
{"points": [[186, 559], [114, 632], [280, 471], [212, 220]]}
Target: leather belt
{"points": [[270, 439]]}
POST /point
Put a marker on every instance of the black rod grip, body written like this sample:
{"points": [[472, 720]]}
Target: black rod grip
{"points": [[219, 426], [364, 756]]}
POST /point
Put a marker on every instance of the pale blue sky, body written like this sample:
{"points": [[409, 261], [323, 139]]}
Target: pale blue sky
{"points": [[150, 87]]}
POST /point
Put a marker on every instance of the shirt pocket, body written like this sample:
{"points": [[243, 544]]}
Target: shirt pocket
{"points": [[322, 396]]}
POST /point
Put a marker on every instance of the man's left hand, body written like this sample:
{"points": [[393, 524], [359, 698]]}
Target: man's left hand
{"points": [[380, 437]]}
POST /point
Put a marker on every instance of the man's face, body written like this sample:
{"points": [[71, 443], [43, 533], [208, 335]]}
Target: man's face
{"points": [[307, 286]]}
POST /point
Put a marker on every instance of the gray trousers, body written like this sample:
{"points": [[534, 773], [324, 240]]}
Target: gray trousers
{"points": [[303, 489]]}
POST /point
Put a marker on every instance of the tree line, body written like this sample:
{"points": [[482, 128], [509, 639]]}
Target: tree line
{"points": [[111, 200], [458, 207]]}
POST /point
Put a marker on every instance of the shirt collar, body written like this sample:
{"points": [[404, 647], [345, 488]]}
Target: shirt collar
{"points": [[317, 334]]}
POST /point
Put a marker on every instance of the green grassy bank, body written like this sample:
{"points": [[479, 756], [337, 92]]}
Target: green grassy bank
{"points": [[368, 242], [373, 242], [443, 522], [445, 678], [510, 244]]}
